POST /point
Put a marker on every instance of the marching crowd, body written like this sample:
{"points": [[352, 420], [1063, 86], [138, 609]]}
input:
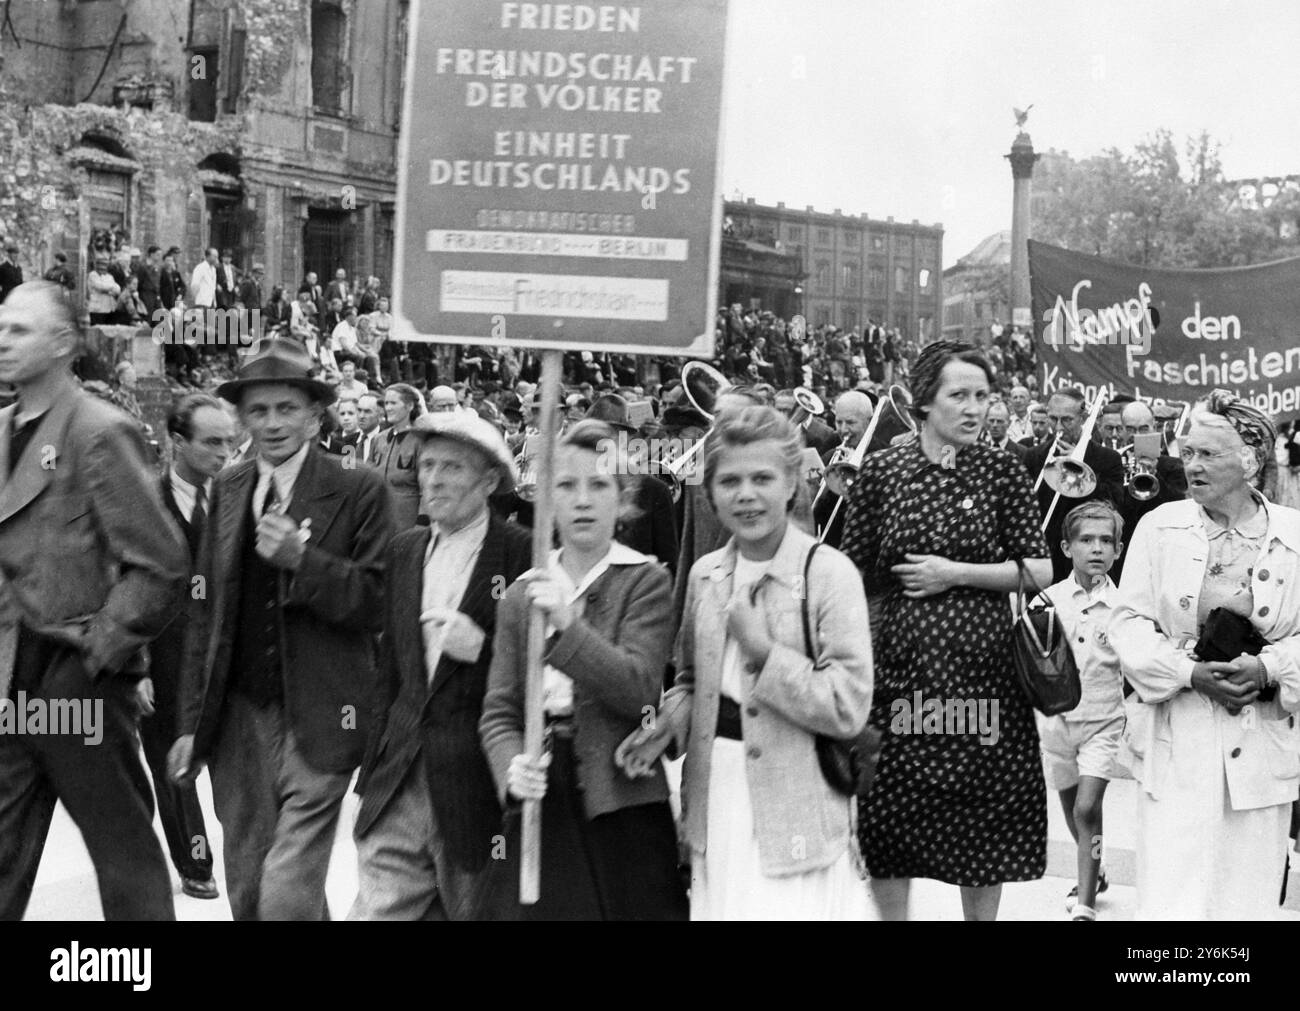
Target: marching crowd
{"points": [[329, 588]]}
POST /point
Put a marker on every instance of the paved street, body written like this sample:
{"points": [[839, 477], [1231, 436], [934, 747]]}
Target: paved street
{"points": [[65, 886]]}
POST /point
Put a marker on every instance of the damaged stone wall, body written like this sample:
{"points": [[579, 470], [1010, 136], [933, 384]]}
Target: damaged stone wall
{"points": [[41, 190]]}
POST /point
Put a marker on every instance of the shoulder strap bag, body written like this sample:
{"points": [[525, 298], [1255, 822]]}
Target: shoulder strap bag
{"points": [[1041, 653], [849, 765]]}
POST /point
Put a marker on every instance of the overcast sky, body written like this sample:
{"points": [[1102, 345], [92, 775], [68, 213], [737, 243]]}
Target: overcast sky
{"points": [[903, 107]]}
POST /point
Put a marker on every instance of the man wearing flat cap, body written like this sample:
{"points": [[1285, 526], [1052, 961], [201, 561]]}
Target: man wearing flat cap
{"points": [[430, 818], [280, 646]]}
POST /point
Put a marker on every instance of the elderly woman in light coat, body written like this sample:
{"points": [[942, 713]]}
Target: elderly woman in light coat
{"points": [[1217, 765], [769, 837]]}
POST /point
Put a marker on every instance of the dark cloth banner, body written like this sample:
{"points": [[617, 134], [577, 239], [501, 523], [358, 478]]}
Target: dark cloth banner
{"points": [[1167, 335]]}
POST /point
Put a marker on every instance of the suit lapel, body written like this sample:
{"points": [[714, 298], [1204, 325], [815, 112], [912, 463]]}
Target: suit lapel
{"points": [[236, 501], [6, 429], [33, 473], [169, 500], [478, 604], [406, 583], [314, 495]]}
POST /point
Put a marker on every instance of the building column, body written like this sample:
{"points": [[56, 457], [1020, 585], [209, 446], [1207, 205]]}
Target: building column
{"points": [[1022, 158]]}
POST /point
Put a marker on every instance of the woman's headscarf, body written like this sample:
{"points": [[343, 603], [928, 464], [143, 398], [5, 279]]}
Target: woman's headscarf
{"points": [[1255, 427]]}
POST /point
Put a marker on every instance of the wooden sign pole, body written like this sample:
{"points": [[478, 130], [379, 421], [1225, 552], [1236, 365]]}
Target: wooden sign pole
{"points": [[548, 394]]}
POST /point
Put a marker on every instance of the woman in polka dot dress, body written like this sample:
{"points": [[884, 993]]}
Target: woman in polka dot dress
{"points": [[935, 525]]}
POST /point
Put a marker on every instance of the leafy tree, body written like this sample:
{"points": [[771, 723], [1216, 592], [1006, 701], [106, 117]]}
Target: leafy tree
{"points": [[1151, 207]]}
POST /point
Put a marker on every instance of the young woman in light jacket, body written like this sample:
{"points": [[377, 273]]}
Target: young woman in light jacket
{"points": [[1218, 768], [769, 838]]}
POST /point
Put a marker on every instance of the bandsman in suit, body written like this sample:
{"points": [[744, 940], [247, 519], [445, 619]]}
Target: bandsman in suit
{"points": [[996, 432], [817, 434], [280, 656], [853, 412], [1040, 429], [1138, 419], [430, 817], [1066, 413], [92, 568], [203, 437]]}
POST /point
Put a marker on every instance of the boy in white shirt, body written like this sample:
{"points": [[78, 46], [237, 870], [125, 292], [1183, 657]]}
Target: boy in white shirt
{"points": [[1079, 747]]}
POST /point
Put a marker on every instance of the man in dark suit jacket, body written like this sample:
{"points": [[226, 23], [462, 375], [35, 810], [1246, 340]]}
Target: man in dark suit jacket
{"points": [[1065, 410], [280, 656], [203, 436], [92, 566], [430, 818], [996, 424], [149, 275], [1138, 419], [171, 285], [817, 435], [227, 280], [11, 275], [853, 413]]}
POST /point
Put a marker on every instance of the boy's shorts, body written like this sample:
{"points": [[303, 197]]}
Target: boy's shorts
{"points": [[1074, 749]]}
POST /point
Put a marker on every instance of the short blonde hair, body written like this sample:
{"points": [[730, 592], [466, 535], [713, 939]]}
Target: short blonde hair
{"points": [[746, 427]]}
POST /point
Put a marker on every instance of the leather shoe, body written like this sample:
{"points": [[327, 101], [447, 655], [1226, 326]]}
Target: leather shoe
{"points": [[200, 888]]}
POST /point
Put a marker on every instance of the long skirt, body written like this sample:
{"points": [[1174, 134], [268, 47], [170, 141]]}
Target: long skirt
{"points": [[728, 883], [617, 866]]}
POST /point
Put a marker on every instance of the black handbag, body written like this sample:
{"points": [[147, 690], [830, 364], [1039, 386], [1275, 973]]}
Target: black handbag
{"points": [[1225, 636], [1040, 651], [849, 765]]}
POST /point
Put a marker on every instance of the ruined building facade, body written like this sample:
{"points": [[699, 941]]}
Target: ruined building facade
{"points": [[266, 126]]}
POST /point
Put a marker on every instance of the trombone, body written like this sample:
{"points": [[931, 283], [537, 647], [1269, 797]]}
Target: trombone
{"points": [[702, 386], [1069, 475], [842, 475]]}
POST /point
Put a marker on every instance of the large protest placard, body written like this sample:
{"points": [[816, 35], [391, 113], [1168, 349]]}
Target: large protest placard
{"points": [[1165, 334], [558, 183]]}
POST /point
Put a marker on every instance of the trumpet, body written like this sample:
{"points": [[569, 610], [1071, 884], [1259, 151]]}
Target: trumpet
{"points": [[1140, 476], [1141, 456]]}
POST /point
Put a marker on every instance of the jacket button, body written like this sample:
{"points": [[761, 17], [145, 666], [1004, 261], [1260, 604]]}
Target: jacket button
{"points": [[1263, 575], [1263, 611], [755, 752], [751, 711], [1081, 639], [1236, 752]]}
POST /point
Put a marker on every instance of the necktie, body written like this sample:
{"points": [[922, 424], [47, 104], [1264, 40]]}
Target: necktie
{"points": [[272, 496], [199, 517]]}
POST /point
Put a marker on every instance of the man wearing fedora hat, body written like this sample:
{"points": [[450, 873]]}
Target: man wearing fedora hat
{"points": [[430, 817], [280, 649]]}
